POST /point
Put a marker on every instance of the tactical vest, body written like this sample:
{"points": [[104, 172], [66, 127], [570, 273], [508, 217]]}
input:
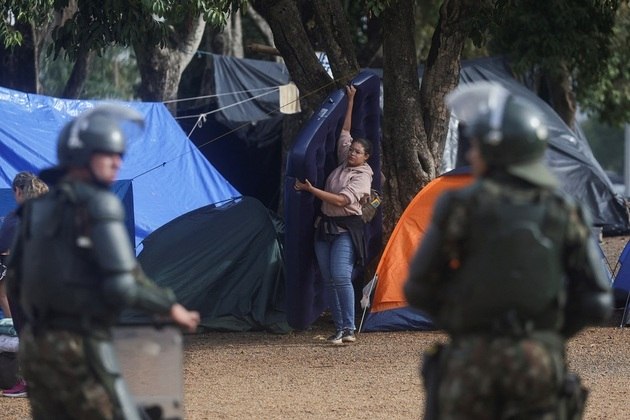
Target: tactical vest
{"points": [[508, 276], [59, 273]]}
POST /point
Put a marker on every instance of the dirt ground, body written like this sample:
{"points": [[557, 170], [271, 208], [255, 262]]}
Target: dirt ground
{"points": [[299, 376]]}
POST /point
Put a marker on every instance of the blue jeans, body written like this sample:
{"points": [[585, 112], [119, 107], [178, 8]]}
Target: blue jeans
{"points": [[336, 260]]}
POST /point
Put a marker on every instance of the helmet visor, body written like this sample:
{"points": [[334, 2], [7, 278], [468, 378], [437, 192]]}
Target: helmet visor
{"points": [[469, 102]]}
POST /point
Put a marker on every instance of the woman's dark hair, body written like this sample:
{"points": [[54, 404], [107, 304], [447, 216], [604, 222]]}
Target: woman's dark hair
{"points": [[367, 145]]}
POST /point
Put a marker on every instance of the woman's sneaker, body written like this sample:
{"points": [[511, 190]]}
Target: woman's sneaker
{"points": [[16, 391], [336, 338], [347, 336]]}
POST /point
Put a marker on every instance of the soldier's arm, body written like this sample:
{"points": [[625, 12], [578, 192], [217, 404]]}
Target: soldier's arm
{"points": [[589, 297], [125, 285], [424, 286]]}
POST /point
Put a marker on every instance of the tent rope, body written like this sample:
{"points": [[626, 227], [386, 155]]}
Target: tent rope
{"points": [[217, 95], [314, 91], [202, 117]]}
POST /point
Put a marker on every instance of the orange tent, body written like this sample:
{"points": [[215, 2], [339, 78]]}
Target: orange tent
{"points": [[389, 309]]}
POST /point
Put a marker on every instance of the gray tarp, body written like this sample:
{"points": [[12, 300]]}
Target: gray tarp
{"points": [[568, 155]]}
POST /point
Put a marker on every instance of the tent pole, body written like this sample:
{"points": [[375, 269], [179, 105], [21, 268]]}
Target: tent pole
{"points": [[626, 161], [625, 311], [372, 285]]}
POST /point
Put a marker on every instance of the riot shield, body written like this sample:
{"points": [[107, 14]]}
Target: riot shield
{"points": [[151, 361]]}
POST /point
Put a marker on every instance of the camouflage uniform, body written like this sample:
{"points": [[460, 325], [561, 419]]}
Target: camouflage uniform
{"points": [[75, 272], [61, 377], [501, 300], [508, 269], [501, 377]]}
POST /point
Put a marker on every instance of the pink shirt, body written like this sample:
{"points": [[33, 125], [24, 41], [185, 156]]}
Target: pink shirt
{"points": [[351, 182]]}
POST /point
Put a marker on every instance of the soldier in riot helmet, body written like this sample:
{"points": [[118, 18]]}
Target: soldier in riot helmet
{"points": [[75, 271], [509, 270]]}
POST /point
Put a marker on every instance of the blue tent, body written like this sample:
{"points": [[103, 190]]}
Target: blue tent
{"points": [[163, 175]]}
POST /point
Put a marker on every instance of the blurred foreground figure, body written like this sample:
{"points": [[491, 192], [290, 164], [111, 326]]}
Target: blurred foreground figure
{"points": [[509, 270], [25, 186], [75, 271]]}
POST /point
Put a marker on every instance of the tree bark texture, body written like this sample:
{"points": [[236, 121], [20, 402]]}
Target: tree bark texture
{"points": [[236, 36], [332, 24], [293, 43], [161, 67], [556, 89], [441, 76], [404, 141], [230, 37], [79, 74], [413, 146]]}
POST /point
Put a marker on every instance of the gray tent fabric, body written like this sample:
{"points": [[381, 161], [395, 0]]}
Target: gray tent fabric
{"points": [[238, 80], [225, 262], [569, 155], [242, 127]]}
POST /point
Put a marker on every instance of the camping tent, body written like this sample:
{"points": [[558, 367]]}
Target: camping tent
{"points": [[225, 262], [163, 174], [242, 125], [569, 155], [389, 310]]}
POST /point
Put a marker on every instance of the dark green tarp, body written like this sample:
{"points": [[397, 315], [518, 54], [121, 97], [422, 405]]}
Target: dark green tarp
{"points": [[225, 262]]}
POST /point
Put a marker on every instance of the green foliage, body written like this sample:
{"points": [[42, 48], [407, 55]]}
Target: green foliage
{"points": [[609, 96], [555, 34], [547, 32], [376, 7], [99, 24], [607, 143], [113, 75], [36, 12]]}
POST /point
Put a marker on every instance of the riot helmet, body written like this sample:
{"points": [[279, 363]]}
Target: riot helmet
{"points": [[97, 130], [509, 129]]}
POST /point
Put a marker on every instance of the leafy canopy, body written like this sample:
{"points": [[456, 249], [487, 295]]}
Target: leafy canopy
{"points": [[97, 24]]}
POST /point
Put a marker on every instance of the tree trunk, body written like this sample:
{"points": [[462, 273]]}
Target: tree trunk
{"points": [[413, 146], [441, 76], [262, 24], [404, 140], [161, 67], [236, 36], [293, 43], [265, 29], [79, 74], [229, 40], [18, 65], [555, 88], [332, 25]]}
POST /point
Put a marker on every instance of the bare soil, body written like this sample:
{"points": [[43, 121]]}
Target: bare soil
{"points": [[299, 376]]}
